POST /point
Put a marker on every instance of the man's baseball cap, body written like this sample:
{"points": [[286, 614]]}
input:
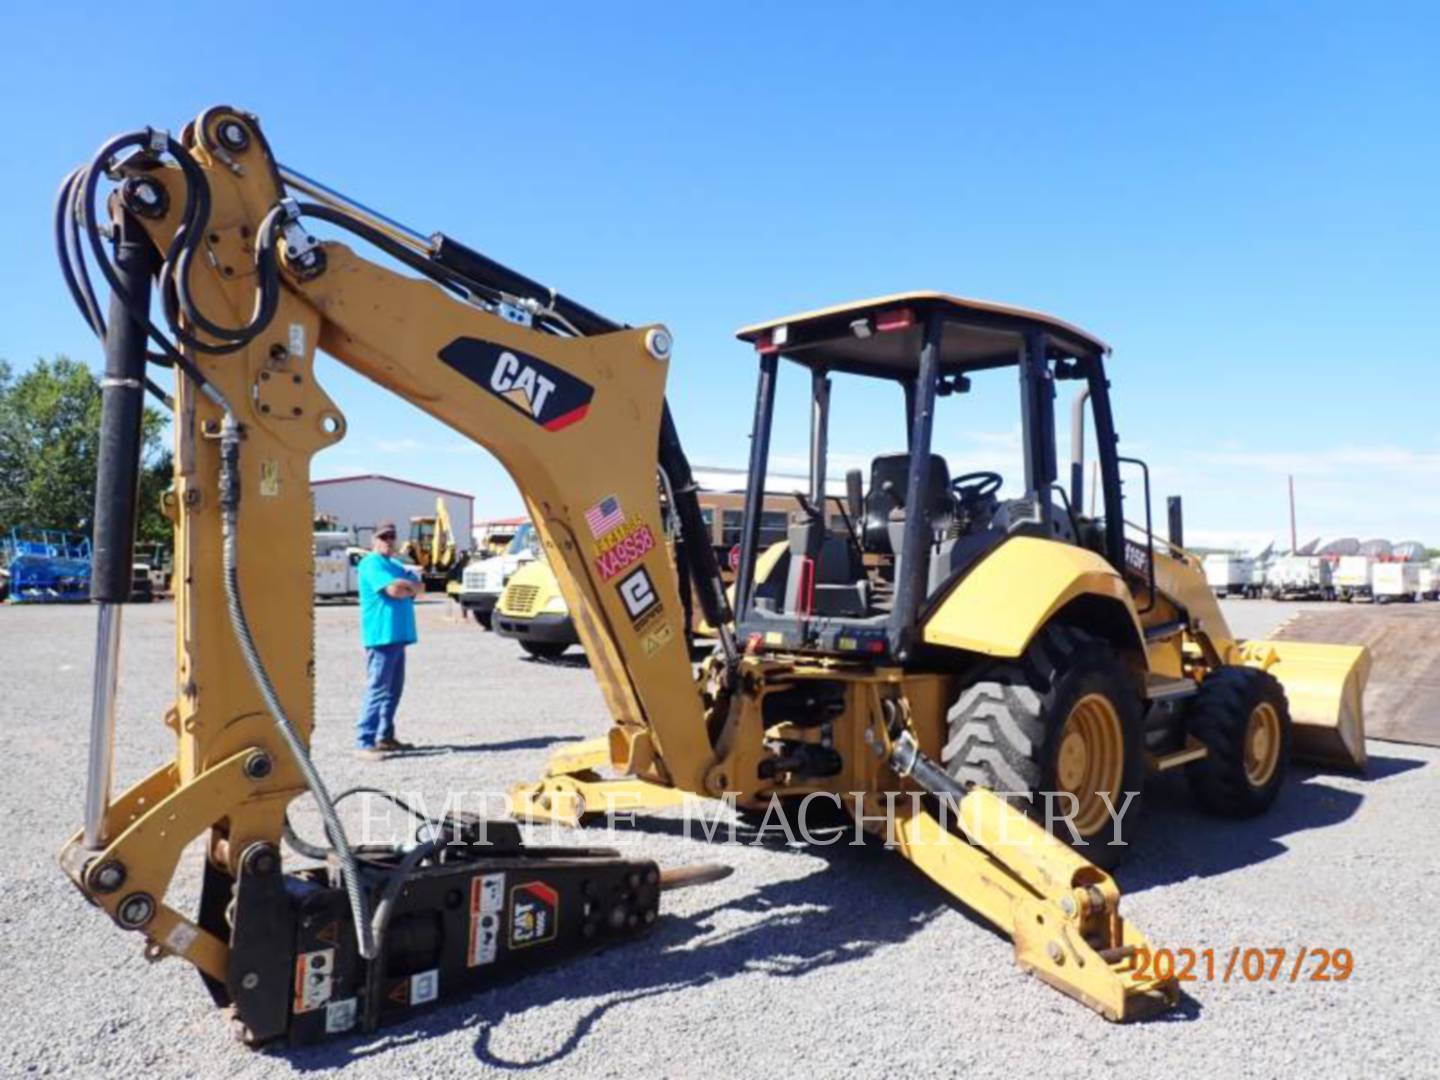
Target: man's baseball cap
{"points": [[385, 530]]}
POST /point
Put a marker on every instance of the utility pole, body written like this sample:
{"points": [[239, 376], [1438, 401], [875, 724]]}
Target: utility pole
{"points": [[1294, 541]]}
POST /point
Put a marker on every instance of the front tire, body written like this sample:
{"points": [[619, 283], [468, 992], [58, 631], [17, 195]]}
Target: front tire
{"points": [[1059, 730], [543, 650], [1242, 716], [482, 617]]}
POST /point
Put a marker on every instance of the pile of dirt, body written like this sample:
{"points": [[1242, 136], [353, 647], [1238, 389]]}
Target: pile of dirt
{"points": [[1402, 699]]}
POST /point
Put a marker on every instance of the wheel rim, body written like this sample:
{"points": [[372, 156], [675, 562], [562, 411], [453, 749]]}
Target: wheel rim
{"points": [[1262, 744], [1090, 763]]}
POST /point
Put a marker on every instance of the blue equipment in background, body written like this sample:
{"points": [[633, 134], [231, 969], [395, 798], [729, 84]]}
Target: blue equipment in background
{"points": [[47, 566]]}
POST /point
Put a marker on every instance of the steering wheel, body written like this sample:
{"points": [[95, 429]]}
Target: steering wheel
{"points": [[974, 486]]}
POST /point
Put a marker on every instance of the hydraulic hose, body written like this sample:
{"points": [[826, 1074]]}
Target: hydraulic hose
{"points": [[315, 851], [396, 881], [74, 214], [72, 267], [229, 515], [391, 893], [84, 297]]}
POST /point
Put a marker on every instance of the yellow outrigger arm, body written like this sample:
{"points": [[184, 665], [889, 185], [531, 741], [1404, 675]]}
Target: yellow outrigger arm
{"points": [[1061, 911]]}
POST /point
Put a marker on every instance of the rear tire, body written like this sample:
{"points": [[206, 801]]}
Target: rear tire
{"points": [[543, 650], [1243, 718], [1065, 717]]}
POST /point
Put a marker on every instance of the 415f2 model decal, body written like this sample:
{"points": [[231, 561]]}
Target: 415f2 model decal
{"points": [[552, 398]]}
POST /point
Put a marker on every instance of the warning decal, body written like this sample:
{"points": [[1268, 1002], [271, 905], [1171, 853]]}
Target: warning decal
{"points": [[487, 904], [314, 979]]}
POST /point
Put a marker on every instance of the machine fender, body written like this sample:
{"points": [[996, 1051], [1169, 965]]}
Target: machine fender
{"points": [[1006, 598]]}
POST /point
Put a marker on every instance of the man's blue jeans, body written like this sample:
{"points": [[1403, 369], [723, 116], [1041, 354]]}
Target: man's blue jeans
{"points": [[386, 667]]}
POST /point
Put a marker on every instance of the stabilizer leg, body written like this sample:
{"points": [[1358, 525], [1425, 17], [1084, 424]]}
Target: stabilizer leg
{"points": [[572, 789], [1061, 911]]}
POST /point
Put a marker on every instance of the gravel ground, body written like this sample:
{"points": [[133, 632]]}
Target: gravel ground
{"points": [[778, 969]]}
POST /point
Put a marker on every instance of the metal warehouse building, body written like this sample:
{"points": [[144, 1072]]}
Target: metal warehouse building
{"points": [[361, 501]]}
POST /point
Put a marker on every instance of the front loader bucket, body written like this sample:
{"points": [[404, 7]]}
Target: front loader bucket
{"points": [[1326, 686]]}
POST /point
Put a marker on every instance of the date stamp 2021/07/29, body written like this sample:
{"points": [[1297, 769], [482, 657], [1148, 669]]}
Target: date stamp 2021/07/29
{"points": [[1304, 963]]}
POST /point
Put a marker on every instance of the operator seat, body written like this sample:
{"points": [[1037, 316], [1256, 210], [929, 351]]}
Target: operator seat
{"points": [[885, 500]]}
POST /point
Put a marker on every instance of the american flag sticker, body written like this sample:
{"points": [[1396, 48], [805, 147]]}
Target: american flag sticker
{"points": [[604, 516]]}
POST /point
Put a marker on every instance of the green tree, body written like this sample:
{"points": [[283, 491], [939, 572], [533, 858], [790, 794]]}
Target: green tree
{"points": [[49, 443]]}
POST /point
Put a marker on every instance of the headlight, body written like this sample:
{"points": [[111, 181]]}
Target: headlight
{"points": [[556, 605]]}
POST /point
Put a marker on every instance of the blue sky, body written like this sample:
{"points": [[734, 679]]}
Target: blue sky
{"points": [[1240, 198]]}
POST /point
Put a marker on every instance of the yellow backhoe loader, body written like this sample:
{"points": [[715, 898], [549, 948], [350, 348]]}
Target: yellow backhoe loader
{"points": [[431, 546], [959, 660]]}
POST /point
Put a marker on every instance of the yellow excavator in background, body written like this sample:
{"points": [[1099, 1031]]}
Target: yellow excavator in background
{"points": [[962, 662], [431, 546]]}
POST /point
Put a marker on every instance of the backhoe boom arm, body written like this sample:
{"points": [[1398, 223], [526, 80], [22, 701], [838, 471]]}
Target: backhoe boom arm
{"points": [[570, 403]]}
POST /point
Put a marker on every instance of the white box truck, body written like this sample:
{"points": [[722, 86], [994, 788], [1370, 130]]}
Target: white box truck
{"points": [[1299, 577], [1429, 582], [1352, 577], [1394, 581], [1228, 574]]}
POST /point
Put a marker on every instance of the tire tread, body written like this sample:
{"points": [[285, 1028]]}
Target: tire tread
{"points": [[1218, 718]]}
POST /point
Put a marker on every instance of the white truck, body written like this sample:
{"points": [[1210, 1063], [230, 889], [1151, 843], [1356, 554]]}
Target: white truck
{"points": [[1353, 577], [1300, 577], [1429, 582], [1395, 581], [484, 580], [1229, 574], [336, 557]]}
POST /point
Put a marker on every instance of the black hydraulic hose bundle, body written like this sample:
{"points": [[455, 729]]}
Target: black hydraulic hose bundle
{"points": [[77, 226], [72, 267]]}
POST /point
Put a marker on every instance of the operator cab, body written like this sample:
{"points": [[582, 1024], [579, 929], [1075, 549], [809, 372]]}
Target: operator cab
{"points": [[911, 525]]}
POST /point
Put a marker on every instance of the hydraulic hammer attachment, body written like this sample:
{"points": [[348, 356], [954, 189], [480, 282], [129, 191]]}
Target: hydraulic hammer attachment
{"points": [[1325, 685], [463, 910], [1061, 911]]}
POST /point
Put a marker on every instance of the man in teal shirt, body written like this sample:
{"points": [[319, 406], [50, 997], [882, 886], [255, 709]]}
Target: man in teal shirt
{"points": [[387, 627]]}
